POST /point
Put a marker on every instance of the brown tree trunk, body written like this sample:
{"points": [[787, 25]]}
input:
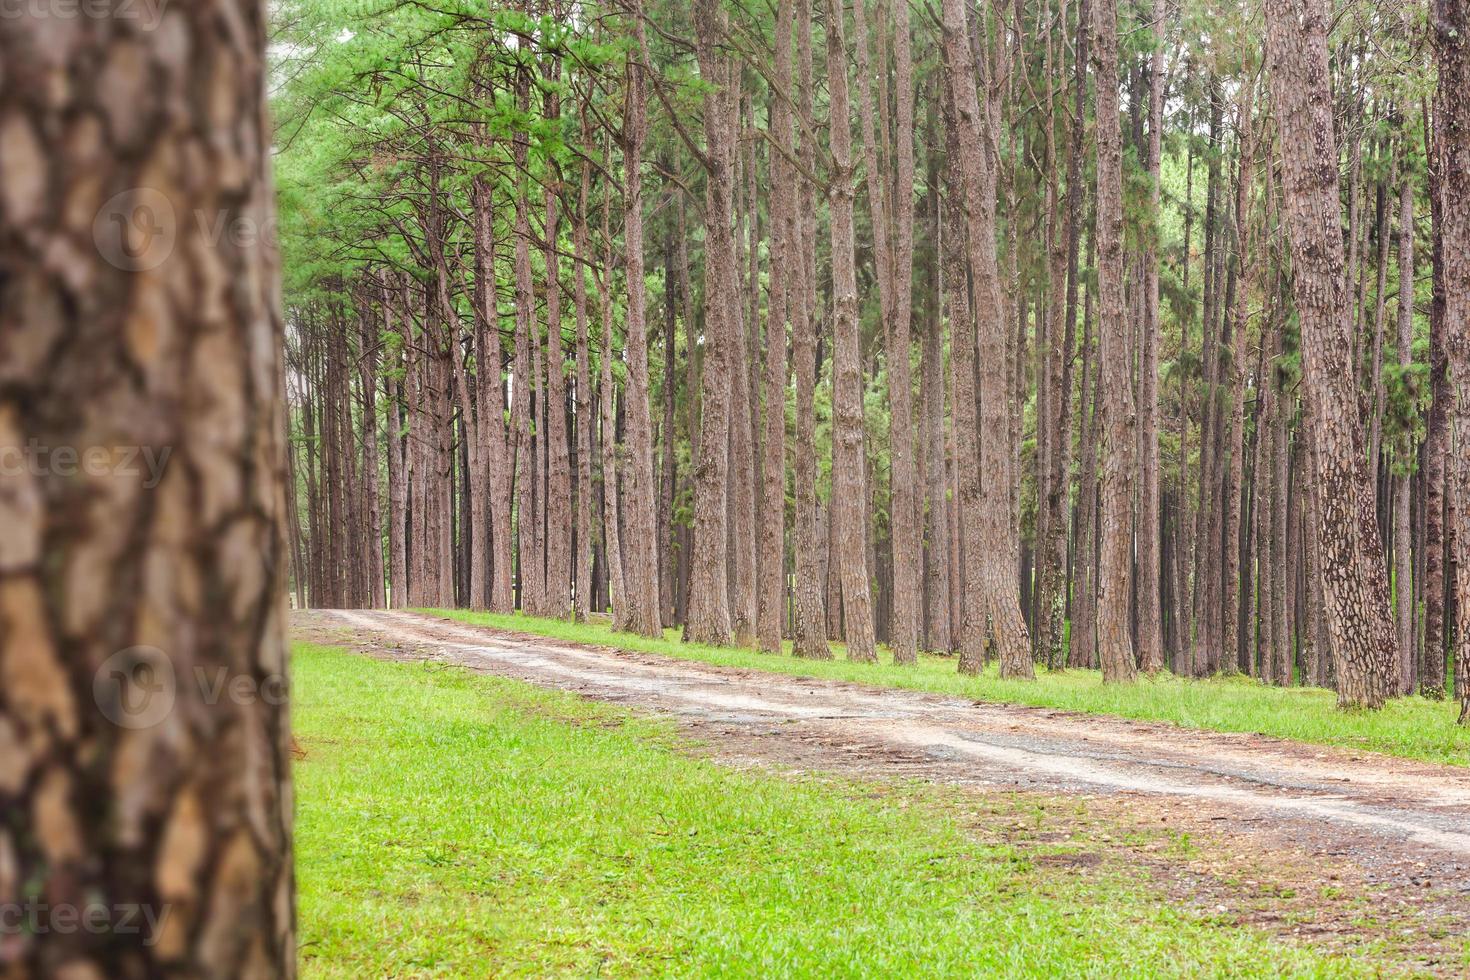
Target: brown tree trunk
{"points": [[938, 635], [528, 564], [397, 479], [1114, 639], [1280, 458], [669, 465], [557, 501], [1436, 442], [847, 377], [785, 255], [152, 799], [373, 517], [1082, 650], [496, 442], [742, 476], [1451, 19], [709, 604], [992, 589], [809, 633], [586, 421], [1230, 611], [1404, 448], [1150, 630], [892, 222], [1354, 575], [640, 491]]}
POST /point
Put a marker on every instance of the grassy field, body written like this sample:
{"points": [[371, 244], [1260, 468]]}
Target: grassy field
{"points": [[1409, 727], [452, 824]]}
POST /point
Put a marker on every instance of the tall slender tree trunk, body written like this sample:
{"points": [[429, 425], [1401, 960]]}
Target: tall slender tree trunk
{"points": [[1437, 529], [709, 604], [496, 441], [1150, 630], [742, 476], [785, 248], [640, 493], [1230, 608], [1404, 447], [585, 412], [397, 477], [1114, 638], [938, 634], [847, 378], [373, 531], [809, 632], [1082, 651], [669, 466], [992, 589], [1451, 19], [1354, 575], [892, 220]]}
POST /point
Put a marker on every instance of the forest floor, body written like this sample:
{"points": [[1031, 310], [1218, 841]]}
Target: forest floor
{"points": [[1328, 850]]}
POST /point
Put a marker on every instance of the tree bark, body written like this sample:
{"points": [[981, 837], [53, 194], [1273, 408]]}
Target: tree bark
{"points": [[1354, 575], [1114, 638], [155, 357], [785, 255], [1404, 448], [640, 491], [1150, 628], [992, 589], [709, 604], [1437, 529], [1451, 19], [847, 378]]}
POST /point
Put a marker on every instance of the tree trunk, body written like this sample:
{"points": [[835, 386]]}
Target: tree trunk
{"points": [[1118, 422], [709, 605], [585, 412], [785, 248], [847, 378], [992, 589], [124, 790], [1437, 529], [1150, 630], [640, 491], [1354, 576], [1451, 19], [1404, 447]]}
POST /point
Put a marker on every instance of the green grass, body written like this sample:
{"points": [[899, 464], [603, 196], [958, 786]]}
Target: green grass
{"points": [[455, 824], [1409, 727]]}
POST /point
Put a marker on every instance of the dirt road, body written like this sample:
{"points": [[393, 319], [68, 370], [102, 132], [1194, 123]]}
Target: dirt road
{"points": [[1396, 830]]}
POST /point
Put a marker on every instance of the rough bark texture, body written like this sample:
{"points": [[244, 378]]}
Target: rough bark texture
{"points": [[1114, 639], [131, 338], [1436, 445], [557, 586], [709, 604], [892, 213], [640, 490], [847, 376], [1451, 20], [1150, 623], [785, 255], [938, 635], [992, 589], [809, 629], [1403, 452], [1354, 576]]}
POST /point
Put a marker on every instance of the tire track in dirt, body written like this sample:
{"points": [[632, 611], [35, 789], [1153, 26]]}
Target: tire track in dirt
{"points": [[1369, 802]]}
